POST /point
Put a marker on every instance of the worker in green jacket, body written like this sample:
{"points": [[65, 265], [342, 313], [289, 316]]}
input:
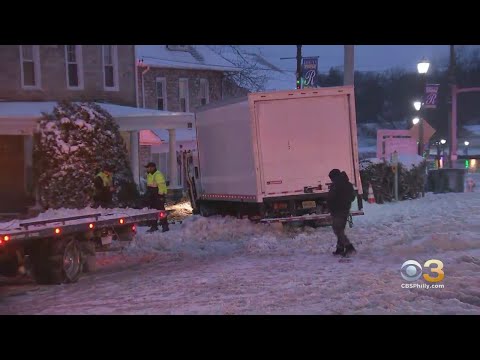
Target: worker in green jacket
{"points": [[104, 189], [156, 194]]}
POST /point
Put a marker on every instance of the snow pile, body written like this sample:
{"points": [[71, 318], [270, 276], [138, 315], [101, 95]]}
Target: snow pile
{"points": [[384, 227]]}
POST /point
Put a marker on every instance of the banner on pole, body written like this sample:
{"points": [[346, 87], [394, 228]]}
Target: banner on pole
{"points": [[431, 96], [309, 72]]}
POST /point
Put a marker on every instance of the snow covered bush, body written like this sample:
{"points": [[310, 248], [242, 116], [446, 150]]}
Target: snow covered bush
{"points": [[411, 180], [72, 145]]}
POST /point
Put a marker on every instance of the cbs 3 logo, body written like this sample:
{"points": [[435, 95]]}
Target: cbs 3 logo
{"points": [[411, 270]]}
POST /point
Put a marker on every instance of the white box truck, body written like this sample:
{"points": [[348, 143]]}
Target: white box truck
{"points": [[267, 156]]}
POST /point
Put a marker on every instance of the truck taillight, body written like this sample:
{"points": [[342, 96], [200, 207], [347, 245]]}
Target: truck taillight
{"points": [[58, 231], [122, 221], [6, 238], [91, 226], [134, 228], [162, 214]]}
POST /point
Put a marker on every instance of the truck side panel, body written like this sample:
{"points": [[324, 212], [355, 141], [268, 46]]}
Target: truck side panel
{"points": [[225, 150]]}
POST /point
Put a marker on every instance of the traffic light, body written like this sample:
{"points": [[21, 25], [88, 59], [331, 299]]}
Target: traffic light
{"points": [[300, 82]]}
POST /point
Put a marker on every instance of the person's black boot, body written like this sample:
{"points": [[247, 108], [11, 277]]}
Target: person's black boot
{"points": [[349, 250], [339, 251], [152, 229]]}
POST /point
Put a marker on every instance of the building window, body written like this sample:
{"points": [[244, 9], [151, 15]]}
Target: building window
{"points": [[161, 93], [204, 90], [30, 66], [183, 94], [74, 66], [110, 67]]}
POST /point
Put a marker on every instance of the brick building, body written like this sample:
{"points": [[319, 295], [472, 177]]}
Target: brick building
{"points": [[102, 73], [180, 78]]}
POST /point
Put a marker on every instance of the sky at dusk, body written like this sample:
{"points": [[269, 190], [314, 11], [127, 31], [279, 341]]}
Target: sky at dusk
{"points": [[367, 57]]}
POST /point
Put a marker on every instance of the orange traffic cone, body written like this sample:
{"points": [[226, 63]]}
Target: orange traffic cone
{"points": [[371, 197], [470, 184]]}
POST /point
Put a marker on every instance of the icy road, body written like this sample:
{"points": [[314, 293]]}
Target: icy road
{"points": [[229, 266]]}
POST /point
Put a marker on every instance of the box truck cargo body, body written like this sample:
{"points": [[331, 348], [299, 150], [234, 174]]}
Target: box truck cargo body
{"points": [[268, 155]]}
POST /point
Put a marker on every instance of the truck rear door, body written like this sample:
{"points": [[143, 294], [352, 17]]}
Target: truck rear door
{"points": [[300, 140]]}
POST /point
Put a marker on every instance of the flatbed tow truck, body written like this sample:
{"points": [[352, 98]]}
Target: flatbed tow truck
{"points": [[55, 250]]}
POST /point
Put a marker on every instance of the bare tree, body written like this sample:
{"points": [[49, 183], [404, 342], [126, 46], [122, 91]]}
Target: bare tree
{"points": [[253, 74]]}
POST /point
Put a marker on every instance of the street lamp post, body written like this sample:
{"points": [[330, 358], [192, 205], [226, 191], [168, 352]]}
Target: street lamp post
{"points": [[416, 121], [422, 68], [443, 142], [466, 147]]}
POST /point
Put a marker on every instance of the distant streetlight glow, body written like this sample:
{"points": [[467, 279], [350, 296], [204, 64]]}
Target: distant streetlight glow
{"points": [[417, 105], [467, 143], [423, 66], [443, 141], [415, 121]]}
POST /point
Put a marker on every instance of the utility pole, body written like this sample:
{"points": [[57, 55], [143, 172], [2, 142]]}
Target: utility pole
{"points": [[348, 64], [299, 66], [452, 123], [299, 59], [421, 145]]}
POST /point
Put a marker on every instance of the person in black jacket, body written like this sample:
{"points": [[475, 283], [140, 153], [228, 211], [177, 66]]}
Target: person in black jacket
{"points": [[339, 201]]}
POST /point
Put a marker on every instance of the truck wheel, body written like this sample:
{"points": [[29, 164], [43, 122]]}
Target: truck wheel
{"points": [[207, 210], [56, 261], [311, 223], [89, 259], [8, 264]]}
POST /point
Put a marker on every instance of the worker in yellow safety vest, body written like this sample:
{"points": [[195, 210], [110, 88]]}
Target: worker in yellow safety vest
{"points": [[104, 189], [156, 194]]}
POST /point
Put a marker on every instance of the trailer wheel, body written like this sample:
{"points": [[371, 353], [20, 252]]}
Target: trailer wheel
{"points": [[56, 261], [9, 264]]}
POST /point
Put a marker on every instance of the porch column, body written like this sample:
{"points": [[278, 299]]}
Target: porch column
{"points": [[134, 155], [28, 163], [172, 156]]}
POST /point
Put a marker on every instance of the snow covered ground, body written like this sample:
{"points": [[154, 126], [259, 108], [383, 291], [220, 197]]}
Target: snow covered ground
{"points": [[230, 266]]}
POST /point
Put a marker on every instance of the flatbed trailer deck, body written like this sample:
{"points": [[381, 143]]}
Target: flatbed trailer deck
{"points": [[58, 249]]}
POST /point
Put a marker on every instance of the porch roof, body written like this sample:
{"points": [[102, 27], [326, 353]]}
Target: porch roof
{"points": [[20, 117]]}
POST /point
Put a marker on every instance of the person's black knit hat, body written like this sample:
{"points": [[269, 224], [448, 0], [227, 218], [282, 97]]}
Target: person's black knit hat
{"points": [[334, 173]]}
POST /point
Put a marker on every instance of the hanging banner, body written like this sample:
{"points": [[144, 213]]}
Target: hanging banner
{"points": [[309, 72], [431, 96]]}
